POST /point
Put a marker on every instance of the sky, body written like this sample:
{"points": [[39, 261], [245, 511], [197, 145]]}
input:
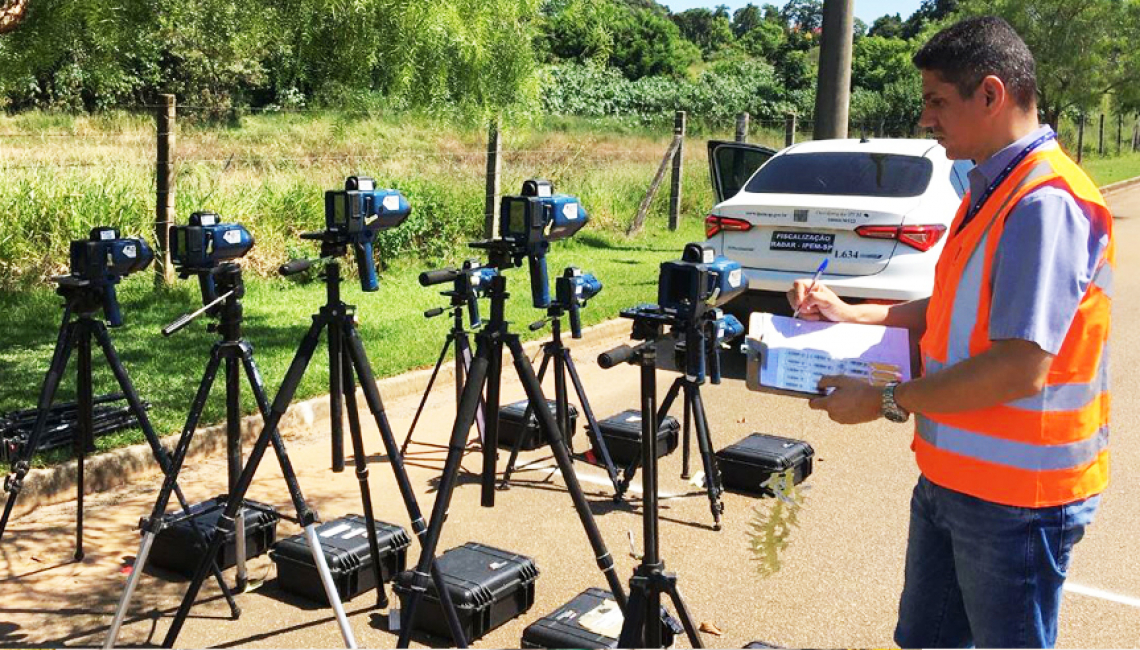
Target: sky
{"points": [[866, 10]]}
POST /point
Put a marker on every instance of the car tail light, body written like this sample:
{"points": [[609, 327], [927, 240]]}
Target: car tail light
{"points": [[715, 224], [921, 238]]}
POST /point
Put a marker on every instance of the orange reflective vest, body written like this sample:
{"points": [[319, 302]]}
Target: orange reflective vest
{"points": [[1047, 449]]}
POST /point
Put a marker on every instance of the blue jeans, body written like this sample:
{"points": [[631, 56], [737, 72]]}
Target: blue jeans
{"points": [[983, 574]]}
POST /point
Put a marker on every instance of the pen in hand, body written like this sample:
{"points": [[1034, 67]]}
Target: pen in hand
{"points": [[811, 287]]}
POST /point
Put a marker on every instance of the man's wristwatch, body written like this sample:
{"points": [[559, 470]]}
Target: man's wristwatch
{"points": [[890, 407]]}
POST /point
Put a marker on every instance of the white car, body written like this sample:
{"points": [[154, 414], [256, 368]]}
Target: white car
{"points": [[877, 210]]}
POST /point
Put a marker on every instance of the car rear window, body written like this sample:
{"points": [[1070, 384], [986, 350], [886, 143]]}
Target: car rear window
{"points": [[843, 174]]}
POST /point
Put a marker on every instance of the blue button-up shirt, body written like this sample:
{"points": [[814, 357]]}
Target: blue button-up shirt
{"points": [[1045, 260]]}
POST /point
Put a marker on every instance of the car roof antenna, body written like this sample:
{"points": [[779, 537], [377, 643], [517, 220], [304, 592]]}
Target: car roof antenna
{"points": [[863, 133]]}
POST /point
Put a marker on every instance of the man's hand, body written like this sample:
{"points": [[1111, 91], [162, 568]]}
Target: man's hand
{"points": [[820, 304], [852, 401]]}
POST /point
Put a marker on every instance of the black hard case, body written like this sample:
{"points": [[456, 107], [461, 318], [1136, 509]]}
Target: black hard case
{"points": [[488, 586], [623, 436], [561, 629], [178, 549], [746, 464], [348, 557], [510, 425]]}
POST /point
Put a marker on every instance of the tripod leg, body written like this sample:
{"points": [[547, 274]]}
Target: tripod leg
{"points": [[15, 480], [468, 404], [305, 514], [633, 625], [463, 366], [427, 391], [152, 526], [549, 427], [233, 458], [156, 448], [607, 460], [336, 392], [360, 461], [525, 435], [712, 481], [685, 616], [685, 442], [376, 406], [83, 435]]}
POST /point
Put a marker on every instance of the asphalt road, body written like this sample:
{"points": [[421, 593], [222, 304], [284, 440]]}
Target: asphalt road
{"points": [[824, 572]]}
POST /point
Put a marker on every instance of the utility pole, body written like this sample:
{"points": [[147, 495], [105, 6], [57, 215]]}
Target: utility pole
{"points": [[833, 94]]}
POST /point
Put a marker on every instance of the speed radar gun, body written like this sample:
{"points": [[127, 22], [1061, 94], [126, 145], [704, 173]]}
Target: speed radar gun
{"points": [[689, 293], [353, 218], [529, 222], [98, 264]]}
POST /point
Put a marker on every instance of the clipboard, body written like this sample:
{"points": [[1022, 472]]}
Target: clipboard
{"points": [[788, 356]]}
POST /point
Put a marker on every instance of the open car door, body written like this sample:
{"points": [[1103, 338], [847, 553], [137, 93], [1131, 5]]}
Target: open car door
{"points": [[731, 164]]}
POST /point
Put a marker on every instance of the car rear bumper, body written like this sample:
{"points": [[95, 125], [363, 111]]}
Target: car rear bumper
{"points": [[886, 285]]}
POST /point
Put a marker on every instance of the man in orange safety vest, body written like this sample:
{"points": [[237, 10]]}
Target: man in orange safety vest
{"points": [[1011, 408]]}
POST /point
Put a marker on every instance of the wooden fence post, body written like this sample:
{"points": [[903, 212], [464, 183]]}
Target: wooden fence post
{"points": [[1100, 140], [494, 156], [1081, 138], [1119, 131], [164, 214], [742, 127], [678, 169], [1135, 132], [789, 129]]}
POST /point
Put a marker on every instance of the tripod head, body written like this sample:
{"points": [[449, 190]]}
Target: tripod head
{"points": [[571, 290], [225, 306], [98, 263], [353, 217], [469, 283]]}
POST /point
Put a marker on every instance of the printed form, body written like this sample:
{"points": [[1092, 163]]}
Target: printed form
{"points": [[791, 355]]}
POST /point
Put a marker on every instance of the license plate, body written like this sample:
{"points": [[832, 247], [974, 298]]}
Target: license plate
{"points": [[808, 242]]}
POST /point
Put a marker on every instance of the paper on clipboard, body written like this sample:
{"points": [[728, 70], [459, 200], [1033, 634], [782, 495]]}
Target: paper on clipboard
{"points": [[787, 355]]}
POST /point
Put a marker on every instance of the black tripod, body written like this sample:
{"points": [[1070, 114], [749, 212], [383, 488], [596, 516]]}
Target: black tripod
{"points": [[642, 627], [460, 299], [697, 347], [563, 365], [346, 354], [486, 369], [85, 299], [238, 354]]}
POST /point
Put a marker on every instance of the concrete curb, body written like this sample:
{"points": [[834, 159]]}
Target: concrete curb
{"points": [[116, 467], [1119, 185]]}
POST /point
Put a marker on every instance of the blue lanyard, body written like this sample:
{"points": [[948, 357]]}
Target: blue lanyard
{"points": [[1004, 175]]}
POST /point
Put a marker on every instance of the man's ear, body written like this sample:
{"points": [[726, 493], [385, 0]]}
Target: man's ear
{"points": [[993, 93]]}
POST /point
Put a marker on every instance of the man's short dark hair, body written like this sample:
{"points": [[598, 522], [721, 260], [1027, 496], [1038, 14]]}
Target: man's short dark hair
{"points": [[968, 51]]}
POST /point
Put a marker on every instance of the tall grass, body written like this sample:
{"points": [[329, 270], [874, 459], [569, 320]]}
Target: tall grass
{"points": [[65, 174]]}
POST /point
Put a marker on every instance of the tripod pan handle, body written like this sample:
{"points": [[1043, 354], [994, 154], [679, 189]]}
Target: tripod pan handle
{"points": [[610, 358], [294, 267], [438, 276]]}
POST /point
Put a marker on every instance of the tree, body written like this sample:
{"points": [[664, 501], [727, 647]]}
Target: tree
{"points": [[803, 15], [710, 31], [887, 26], [647, 43], [746, 19], [1083, 48], [878, 61], [764, 40], [929, 11], [11, 13]]}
